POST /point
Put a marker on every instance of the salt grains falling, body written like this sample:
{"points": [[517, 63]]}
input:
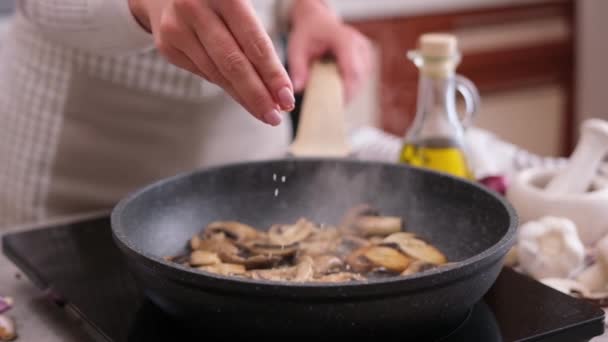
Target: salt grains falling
{"points": [[276, 190], [283, 179]]}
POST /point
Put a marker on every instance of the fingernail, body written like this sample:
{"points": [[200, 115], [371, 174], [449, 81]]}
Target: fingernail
{"points": [[288, 101], [273, 118]]}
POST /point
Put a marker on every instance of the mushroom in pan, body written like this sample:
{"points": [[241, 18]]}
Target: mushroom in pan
{"points": [[377, 225], [416, 248], [224, 269], [368, 258], [257, 247], [233, 230], [289, 234], [204, 258], [366, 244], [327, 264], [416, 267]]}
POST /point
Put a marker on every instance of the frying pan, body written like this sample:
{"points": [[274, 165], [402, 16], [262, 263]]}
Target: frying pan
{"points": [[473, 226]]}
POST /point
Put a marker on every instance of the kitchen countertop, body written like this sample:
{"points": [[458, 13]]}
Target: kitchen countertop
{"points": [[36, 317]]}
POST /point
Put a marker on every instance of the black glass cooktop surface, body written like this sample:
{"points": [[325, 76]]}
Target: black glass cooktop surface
{"points": [[79, 266]]}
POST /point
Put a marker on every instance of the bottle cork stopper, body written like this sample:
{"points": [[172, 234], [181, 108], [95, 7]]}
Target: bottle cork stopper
{"points": [[438, 45]]}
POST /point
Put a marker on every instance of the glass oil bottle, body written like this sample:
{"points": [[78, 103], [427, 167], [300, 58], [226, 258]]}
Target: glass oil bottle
{"points": [[436, 138]]}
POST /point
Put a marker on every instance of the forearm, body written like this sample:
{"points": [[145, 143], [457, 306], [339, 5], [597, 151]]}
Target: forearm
{"points": [[102, 26]]}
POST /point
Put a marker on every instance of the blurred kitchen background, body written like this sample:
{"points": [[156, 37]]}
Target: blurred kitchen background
{"points": [[539, 64]]}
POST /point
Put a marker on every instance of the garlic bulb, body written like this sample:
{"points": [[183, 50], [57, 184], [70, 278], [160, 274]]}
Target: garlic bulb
{"points": [[550, 248]]}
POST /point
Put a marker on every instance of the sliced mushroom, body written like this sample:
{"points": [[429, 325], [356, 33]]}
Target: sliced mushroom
{"points": [[234, 230], [195, 242], [416, 248], [204, 258], [376, 240], [352, 214], [417, 266], [358, 262], [224, 269], [325, 264], [399, 237], [304, 270], [290, 234], [377, 225], [340, 277], [349, 243], [275, 274], [388, 258], [262, 261], [241, 256], [269, 249], [182, 259], [219, 246]]}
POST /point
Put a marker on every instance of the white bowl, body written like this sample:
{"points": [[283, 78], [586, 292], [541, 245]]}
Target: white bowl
{"points": [[589, 211]]}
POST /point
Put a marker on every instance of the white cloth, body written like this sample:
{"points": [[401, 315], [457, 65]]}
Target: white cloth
{"points": [[56, 55]]}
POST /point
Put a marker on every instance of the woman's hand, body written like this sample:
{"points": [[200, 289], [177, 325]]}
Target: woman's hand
{"points": [[225, 43], [317, 31]]}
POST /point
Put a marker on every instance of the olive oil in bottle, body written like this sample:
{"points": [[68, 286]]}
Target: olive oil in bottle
{"points": [[437, 154], [436, 138]]}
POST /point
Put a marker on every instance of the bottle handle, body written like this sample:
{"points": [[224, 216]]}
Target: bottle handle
{"points": [[471, 99]]}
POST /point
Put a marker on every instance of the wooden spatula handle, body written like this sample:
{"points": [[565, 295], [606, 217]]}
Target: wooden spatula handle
{"points": [[322, 128]]}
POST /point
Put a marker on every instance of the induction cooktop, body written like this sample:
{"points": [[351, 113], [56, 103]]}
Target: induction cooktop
{"points": [[77, 264]]}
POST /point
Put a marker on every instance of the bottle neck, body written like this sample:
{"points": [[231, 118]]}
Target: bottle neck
{"points": [[436, 113], [437, 95]]}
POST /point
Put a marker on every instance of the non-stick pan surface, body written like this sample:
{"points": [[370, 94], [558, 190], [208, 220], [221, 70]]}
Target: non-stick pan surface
{"points": [[473, 226]]}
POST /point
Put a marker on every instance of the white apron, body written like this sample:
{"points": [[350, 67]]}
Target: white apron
{"points": [[79, 131]]}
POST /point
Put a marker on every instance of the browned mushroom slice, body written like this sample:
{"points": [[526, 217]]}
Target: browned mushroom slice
{"points": [[234, 230], [182, 259], [353, 213], [358, 262], [376, 240], [195, 242], [324, 264], [290, 234], [339, 277], [388, 258], [304, 270], [274, 274], [218, 246], [416, 248], [224, 269], [204, 258], [417, 266], [268, 249], [399, 237], [377, 225], [262, 261]]}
